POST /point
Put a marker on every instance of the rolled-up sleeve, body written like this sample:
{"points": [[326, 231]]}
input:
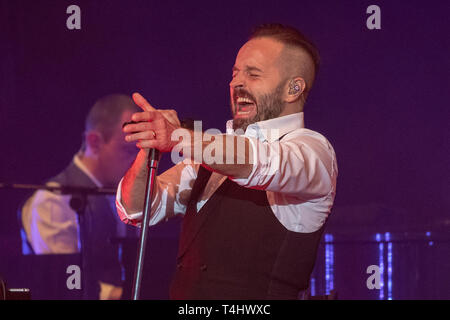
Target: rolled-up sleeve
{"points": [[302, 164], [172, 191]]}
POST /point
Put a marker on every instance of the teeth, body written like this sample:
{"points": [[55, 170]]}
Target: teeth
{"points": [[243, 100]]}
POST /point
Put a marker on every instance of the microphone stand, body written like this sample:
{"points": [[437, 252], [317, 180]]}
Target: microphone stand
{"points": [[152, 165]]}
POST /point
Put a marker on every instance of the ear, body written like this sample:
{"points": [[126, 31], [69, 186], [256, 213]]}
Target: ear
{"points": [[294, 89], [94, 141]]}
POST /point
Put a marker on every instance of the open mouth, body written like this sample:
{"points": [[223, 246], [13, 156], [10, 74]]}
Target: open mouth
{"points": [[244, 106]]}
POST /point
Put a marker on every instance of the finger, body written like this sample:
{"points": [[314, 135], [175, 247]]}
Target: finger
{"points": [[137, 127], [145, 135], [171, 116], [142, 102], [146, 116]]}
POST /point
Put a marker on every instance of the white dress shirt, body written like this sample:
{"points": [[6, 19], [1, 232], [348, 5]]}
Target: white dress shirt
{"points": [[51, 225], [50, 222], [299, 177]]}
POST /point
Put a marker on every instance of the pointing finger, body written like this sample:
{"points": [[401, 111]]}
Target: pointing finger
{"points": [[142, 102]]}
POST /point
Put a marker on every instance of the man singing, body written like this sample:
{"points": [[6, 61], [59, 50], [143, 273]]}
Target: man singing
{"points": [[249, 231]]}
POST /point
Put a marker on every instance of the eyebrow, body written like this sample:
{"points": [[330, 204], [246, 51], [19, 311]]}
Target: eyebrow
{"points": [[247, 68]]}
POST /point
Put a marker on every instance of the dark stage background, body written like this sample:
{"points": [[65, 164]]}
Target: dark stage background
{"points": [[381, 98]]}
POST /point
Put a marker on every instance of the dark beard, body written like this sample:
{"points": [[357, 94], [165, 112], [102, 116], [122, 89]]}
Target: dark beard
{"points": [[268, 107]]}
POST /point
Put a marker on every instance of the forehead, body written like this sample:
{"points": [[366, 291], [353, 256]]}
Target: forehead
{"points": [[261, 53]]}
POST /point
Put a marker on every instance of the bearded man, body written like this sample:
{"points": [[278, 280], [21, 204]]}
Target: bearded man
{"points": [[252, 225]]}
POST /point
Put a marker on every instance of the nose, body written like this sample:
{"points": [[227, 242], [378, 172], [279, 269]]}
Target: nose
{"points": [[237, 81], [235, 86]]}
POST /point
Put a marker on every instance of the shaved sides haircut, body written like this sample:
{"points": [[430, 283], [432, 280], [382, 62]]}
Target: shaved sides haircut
{"points": [[293, 40]]}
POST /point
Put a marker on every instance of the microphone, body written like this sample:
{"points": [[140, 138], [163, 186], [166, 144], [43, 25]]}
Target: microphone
{"points": [[154, 153], [152, 164]]}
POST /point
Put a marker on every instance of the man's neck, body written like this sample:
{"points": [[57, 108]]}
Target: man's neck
{"points": [[90, 164], [291, 109]]}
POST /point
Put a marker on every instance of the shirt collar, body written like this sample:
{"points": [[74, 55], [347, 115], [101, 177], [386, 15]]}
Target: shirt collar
{"points": [[82, 167], [273, 129]]}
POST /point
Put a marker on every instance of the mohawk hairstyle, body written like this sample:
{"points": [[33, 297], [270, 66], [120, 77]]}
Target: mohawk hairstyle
{"points": [[289, 36]]}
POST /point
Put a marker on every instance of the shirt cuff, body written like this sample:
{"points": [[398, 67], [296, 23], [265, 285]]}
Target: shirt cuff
{"points": [[133, 218]]}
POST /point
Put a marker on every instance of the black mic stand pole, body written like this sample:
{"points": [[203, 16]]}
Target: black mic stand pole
{"points": [[152, 165]]}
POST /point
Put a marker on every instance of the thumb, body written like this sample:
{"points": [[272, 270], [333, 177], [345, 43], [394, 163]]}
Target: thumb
{"points": [[142, 102]]}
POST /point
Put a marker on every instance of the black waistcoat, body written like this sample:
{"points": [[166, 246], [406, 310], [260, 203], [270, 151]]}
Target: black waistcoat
{"points": [[235, 248]]}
